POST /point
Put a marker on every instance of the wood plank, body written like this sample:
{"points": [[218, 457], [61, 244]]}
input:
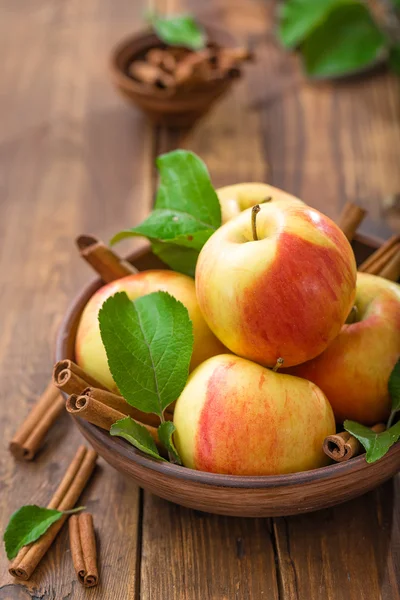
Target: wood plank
{"points": [[349, 551], [188, 555], [74, 159]]}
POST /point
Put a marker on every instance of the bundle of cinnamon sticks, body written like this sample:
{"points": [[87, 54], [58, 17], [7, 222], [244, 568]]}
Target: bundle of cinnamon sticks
{"points": [[64, 498], [173, 70]]}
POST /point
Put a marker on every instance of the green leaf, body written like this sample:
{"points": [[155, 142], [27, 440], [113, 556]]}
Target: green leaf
{"points": [[137, 435], [179, 30], [187, 212], [394, 59], [299, 17], [185, 186], [165, 434], [180, 259], [26, 526], [376, 444], [149, 344], [394, 386], [347, 40], [174, 226]]}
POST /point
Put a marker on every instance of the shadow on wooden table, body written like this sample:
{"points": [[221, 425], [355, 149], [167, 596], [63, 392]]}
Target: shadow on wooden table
{"points": [[342, 552]]}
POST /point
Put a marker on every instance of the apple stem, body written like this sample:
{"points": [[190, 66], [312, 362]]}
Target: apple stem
{"points": [[254, 211], [266, 199], [352, 316], [279, 363]]}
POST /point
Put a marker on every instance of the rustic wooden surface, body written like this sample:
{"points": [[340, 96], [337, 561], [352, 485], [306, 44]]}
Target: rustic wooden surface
{"points": [[74, 158]]}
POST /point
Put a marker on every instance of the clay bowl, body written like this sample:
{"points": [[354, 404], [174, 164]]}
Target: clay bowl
{"points": [[181, 109], [224, 494]]}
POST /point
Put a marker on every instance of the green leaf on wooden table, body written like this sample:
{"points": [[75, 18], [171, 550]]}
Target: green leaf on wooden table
{"points": [[299, 17], [165, 434], [179, 30], [149, 344], [187, 211], [347, 40], [28, 524], [137, 435], [180, 259], [376, 444]]}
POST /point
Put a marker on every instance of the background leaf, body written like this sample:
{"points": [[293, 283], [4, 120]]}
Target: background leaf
{"points": [[137, 435], [376, 444], [179, 30], [26, 526], [149, 345], [394, 59], [299, 17], [347, 40], [165, 433], [185, 185]]}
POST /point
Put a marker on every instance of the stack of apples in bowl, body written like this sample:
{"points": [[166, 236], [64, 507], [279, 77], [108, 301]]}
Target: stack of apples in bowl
{"points": [[288, 342]]}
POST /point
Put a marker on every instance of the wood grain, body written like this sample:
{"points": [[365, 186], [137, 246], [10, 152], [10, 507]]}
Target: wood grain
{"points": [[74, 159], [70, 163]]}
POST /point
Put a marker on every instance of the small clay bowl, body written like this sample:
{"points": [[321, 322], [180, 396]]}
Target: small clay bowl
{"points": [[270, 496], [179, 110]]}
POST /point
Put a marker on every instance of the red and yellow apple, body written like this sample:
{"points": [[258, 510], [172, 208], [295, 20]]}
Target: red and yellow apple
{"points": [[89, 350], [238, 197], [354, 370], [239, 418], [285, 295]]}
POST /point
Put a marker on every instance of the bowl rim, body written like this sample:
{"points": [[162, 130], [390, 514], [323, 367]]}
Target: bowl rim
{"points": [[128, 452]]}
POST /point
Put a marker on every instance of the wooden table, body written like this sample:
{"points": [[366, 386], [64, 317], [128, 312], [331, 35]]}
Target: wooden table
{"points": [[74, 158]]}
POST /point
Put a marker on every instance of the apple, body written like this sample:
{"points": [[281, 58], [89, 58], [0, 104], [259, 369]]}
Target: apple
{"points": [[89, 350], [236, 198], [239, 418], [283, 295], [354, 370]]}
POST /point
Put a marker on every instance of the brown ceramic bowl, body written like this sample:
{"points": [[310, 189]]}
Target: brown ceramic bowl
{"points": [[180, 109], [225, 494]]}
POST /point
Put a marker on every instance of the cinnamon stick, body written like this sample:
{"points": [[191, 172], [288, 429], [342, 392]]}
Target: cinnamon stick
{"points": [[350, 218], [97, 413], [29, 437], [71, 379], [392, 268], [343, 446], [149, 73], [102, 259], [65, 497], [119, 404], [375, 263], [82, 542]]}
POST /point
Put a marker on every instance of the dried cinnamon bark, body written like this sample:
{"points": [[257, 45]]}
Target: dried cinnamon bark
{"points": [[83, 548], [71, 379], [65, 497], [29, 437], [350, 218], [101, 415], [378, 260], [102, 259], [343, 446], [119, 404]]}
